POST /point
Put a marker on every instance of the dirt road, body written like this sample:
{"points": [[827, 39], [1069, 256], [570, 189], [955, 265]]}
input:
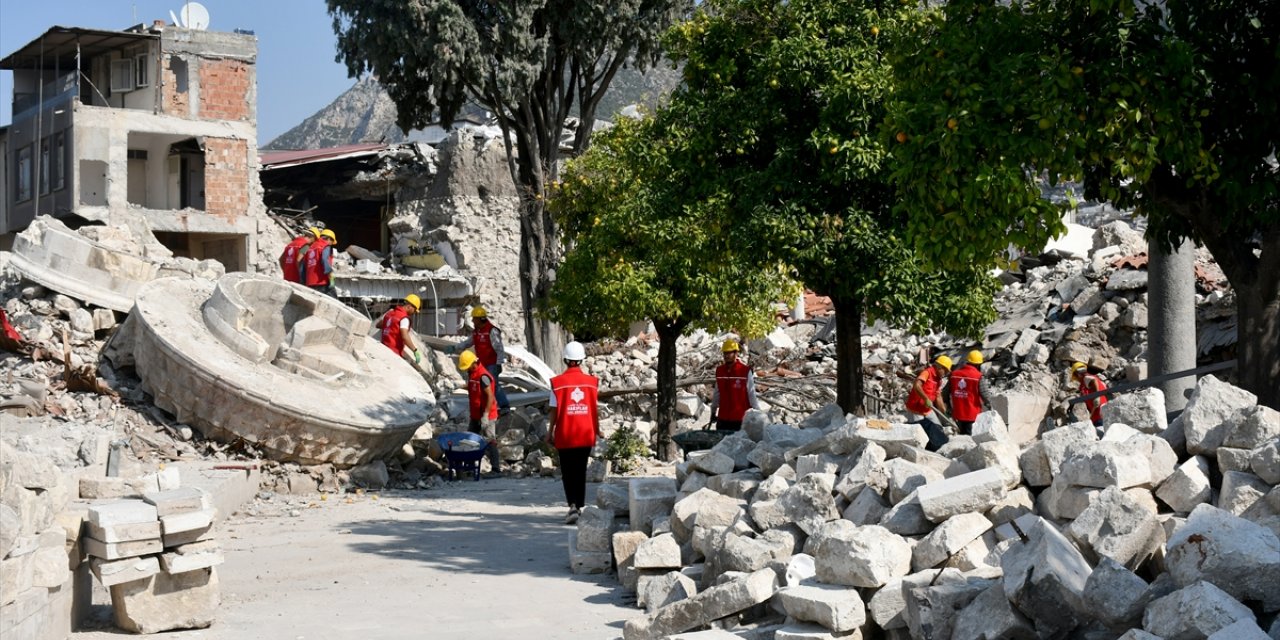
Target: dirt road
{"points": [[468, 560]]}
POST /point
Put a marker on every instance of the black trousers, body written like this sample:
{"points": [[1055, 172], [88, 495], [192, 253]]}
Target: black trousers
{"points": [[573, 473], [728, 425]]}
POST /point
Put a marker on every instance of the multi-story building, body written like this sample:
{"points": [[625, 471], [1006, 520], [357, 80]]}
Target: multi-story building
{"points": [[155, 123]]}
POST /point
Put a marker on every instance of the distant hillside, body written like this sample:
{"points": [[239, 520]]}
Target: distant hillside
{"points": [[365, 113]]}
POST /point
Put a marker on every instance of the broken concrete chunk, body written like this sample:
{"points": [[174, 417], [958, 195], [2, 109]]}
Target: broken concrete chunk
{"points": [[661, 590], [907, 518], [1188, 486], [988, 427], [860, 556], [1238, 556], [595, 529], [991, 617], [809, 503], [999, 454], [624, 546], [1205, 418], [931, 609], [799, 569], [867, 508], [737, 446], [1035, 465], [705, 507], [1106, 464], [1239, 491], [661, 552], [1044, 578], [949, 538], [1161, 459], [648, 498], [1249, 427], [1195, 611], [1117, 527], [1240, 630], [835, 607], [1232, 459], [808, 631], [861, 465], [888, 606], [1143, 410], [712, 604], [712, 463], [1065, 501], [745, 554], [974, 491], [1058, 441], [1265, 462], [1115, 595]]}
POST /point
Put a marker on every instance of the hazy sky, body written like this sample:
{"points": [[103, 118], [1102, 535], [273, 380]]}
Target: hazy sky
{"points": [[297, 75]]}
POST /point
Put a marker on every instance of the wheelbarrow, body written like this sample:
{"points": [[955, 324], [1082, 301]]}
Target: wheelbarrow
{"points": [[463, 451], [698, 440]]}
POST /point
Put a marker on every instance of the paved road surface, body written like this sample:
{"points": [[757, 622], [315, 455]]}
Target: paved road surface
{"points": [[470, 560]]}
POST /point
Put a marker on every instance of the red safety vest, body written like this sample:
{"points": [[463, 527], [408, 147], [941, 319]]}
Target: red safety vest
{"points": [[575, 393], [316, 275], [289, 259], [477, 395], [1095, 405], [483, 344], [966, 401], [731, 383], [929, 381], [391, 329]]}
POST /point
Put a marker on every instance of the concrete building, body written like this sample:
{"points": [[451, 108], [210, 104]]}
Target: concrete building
{"points": [[154, 126]]}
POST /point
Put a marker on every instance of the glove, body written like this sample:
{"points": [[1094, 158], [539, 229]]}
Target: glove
{"points": [[450, 349], [417, 356]]}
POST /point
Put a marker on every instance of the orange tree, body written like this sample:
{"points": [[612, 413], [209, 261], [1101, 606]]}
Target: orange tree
{"points": [[780, 112], [1172, 108], [643, 244]]}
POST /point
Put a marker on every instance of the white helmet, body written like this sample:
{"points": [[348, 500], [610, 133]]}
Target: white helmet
{"points": [[574, 351]]}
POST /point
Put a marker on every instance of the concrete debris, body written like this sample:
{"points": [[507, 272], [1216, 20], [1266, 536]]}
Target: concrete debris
{"points": [[1196, 611]]}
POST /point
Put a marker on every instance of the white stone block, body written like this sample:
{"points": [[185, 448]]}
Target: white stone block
{"points": [[122, 512], [1195, 611], [974, 491], [835, 607]]}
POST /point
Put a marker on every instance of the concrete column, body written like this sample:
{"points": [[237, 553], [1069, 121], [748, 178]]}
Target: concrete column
{"points": [[1171, 335]]}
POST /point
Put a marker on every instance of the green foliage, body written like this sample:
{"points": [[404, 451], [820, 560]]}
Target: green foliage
{"points": [[625, 448]]}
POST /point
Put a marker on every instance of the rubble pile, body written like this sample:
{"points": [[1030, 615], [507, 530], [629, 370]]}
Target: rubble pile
{"points": [[845, 527]]}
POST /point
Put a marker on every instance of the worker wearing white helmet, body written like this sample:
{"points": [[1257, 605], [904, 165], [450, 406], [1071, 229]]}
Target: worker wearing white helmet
{"points": [[735, 389], [397, 328], [573, 426], [486, 339]]}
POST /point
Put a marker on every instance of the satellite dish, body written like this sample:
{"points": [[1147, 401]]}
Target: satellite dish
{"points": [[195, 16]]}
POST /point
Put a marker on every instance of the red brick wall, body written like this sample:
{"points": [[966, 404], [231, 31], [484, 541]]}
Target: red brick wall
{"points": [[226, 177], [224, 89]]}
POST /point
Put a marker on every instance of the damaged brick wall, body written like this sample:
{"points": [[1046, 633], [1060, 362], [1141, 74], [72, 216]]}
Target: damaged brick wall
{"points": [[224, 89], [175, 96], [226, 177]]}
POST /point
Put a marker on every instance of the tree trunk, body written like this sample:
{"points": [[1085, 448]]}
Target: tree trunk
{"points": [[668, 333], [848, 354], [539, 255], [1258, 330]]}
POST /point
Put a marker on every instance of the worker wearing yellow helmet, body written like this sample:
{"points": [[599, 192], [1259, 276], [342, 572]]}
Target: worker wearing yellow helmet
{"points": [[397, 328], [482, 405], [293, 253], [486, 339], [317, 265], [968, 392], [923, 406], [1090, 383], [735, 389]]}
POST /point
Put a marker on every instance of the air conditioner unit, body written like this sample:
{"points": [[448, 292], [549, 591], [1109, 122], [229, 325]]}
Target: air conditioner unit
{"points": [[142, 71], [122, 75]]}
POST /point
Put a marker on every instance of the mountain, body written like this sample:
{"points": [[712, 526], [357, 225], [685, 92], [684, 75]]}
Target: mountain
{"points": [[365, 113]]}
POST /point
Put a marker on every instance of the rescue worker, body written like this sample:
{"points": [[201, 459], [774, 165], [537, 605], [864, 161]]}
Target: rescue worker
{"points": [[317, 265], [735, 390], [480, 400], [922, 401], [486, 339], [573, 426], [397, 329], [294, 251], [966, 390], [1090, 383]]}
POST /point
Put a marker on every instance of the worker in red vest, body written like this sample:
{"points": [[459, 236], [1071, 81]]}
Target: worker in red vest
{"points": [[967, 399], [481, 403], [317, 265], [922, 402], [574, 425], [486, 339], [294, 251], [1090, 383], [397, 329], [735, 390]]}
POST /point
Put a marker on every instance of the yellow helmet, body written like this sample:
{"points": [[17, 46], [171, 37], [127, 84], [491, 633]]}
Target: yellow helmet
{"points": [[729, 346], [975, 357], [414, 300], [944, 361], [467, 359], [328, 233], [1078, 368], [315, 233], [479, 312]]}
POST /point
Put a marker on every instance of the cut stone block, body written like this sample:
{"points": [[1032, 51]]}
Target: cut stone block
{"points": [[1117, 527], [187, 521], [1138, 634], [122, 512], [1115, 595], [745, 554], [1241, 557], [931, 610], [113, 572], [991, 617], [950, 537], [106, 488], [10, 528], [1161, 459], [49, 567], [177, 501], [713, 463], [1239, 491], [712, 604], [1001, 455], [1230, 459], [587, 562], [1044, 578], [1188, 486], [1195, 611], [1252, 426], [837, 608], [661, 590], [1265, 462], [1058, 441], [201, 555], [1106, 464], [1022, 412], [888, 607], [595, 529], [974, 491], [1204, 420], [625, 544], [125, 532], [614, 497], [896, 438], [649, 498], [1065, 501], [860, 556], [1143, 410], [907, 518], [661, 552], [164, 602], [769, 458], [1015, 503], [1035, 465], [704, 507], [117, 550], [187, 537], [897, 478], [988, 427]]}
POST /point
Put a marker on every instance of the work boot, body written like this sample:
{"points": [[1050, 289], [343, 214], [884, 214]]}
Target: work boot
{"points": [[572, 518]]}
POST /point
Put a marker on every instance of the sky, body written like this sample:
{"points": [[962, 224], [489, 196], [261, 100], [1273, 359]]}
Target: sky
{"points": [[297, 74]]}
